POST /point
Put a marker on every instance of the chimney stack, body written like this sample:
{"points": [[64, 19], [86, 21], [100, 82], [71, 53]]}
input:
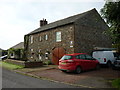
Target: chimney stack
{"points": [[43, 22]]}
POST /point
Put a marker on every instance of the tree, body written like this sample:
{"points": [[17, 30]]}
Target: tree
{"points": [[111, 13]]}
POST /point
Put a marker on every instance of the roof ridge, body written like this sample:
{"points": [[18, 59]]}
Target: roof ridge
{"points": [[73, 15], [64, 21]]}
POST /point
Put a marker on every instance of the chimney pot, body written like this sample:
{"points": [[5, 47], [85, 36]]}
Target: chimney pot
{"points": [[43, 22]]}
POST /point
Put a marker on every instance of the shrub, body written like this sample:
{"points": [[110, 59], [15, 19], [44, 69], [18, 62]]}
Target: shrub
{"points": [[47, 62]]}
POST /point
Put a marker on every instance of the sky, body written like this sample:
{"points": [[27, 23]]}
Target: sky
{"points": [[19, 17]]}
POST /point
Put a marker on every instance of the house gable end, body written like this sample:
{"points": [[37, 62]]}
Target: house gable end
{"points": [[94, 20]]}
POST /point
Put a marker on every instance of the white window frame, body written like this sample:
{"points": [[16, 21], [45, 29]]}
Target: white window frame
{"points": [[31, 39], [46, 37], [31, 50], [40, 57], [58, 36], [40, 38]]}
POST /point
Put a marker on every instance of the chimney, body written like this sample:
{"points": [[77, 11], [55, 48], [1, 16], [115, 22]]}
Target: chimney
{"points": [[43, 22]]}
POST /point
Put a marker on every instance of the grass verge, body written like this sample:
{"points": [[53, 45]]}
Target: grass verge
{"points": [[10, 66], [116, 83]]}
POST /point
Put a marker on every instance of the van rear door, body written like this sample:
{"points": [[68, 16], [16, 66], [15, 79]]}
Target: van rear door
{"points": [[99, 55], [116, 55]]}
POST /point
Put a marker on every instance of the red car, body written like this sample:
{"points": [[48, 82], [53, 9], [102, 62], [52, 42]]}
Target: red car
{"points": [[77, 62]]}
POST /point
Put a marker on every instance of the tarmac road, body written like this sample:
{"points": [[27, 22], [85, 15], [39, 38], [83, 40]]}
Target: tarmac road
{"points": [[11, 79]]}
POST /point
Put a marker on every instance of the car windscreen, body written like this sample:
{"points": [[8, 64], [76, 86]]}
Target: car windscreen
{"points": [[66, 57]]}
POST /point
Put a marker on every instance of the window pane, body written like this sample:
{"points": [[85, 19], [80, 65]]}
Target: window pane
{"points": [[46, 37], [77, 57], [40, 38], [88, 57], [82, 56], [58, 36], [66, 57], [31, 39]]}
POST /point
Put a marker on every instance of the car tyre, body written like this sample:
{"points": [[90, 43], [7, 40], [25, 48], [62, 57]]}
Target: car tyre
{"points": [[113, 67], [108, 64], [78, 70]]}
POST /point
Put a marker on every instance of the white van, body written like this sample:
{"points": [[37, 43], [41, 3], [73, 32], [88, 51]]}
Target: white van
{"points": [[105, 57]]}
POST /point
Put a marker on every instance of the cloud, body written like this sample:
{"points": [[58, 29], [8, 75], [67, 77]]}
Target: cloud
{"points": [[18, 17], [48, 1]]}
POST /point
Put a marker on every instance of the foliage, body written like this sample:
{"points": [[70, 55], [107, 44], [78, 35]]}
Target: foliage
{"points": [[11, 50], [111, 13], [18, 52], [4, 52], [47, 62], [26, 42], [116, 83]]}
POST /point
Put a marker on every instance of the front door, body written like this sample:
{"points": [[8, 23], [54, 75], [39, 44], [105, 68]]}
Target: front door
{"points": [[57, 54]]}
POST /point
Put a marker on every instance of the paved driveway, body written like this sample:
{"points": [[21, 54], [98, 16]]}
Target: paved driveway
{"points": [[87, 79], [92, 78]]}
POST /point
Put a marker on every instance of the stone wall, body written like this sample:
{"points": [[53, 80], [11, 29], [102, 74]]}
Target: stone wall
{"points": [[89, 33], [67, 33]]}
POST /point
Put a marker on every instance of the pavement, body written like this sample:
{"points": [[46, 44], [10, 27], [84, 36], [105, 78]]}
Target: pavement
{"points": [[87, 79]]}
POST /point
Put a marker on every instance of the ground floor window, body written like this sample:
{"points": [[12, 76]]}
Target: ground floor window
{"points": [[46, 55], [40, 57]]}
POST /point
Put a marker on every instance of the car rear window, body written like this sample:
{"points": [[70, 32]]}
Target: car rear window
{"points": [[66, 57]]}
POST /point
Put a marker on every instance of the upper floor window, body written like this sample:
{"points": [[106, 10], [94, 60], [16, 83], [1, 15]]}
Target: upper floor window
{"points": [[31, 39], [58, 36], [40, 38], [46, 37]]}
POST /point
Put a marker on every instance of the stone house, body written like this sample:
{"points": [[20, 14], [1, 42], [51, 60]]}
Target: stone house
{"points": [[80, 33], [16, 51]]}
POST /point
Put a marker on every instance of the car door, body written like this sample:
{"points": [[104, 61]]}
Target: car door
{"points": [[90, 62], [84, 63]]}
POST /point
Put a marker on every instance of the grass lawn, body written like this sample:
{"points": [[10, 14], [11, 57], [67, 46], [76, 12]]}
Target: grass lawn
{"points": [[116, 83], [9, 65]]}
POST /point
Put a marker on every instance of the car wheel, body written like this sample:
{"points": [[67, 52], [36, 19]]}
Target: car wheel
{"points": [[78, 70], [97, 67], [108, 64]]}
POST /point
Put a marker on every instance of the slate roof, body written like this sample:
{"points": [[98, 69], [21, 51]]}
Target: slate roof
{"points": [[61, 22], [19, 45]]}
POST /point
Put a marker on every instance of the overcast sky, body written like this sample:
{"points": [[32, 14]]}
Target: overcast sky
{"points": [[19, 17]]}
